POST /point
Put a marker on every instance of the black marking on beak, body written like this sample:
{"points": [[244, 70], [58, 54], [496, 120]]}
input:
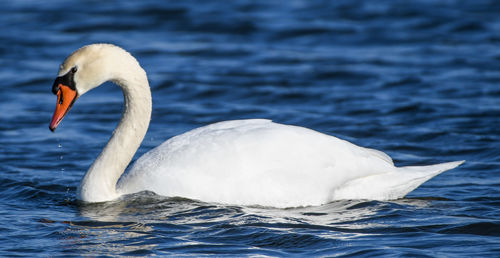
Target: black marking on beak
{"points": [[67, 79]]}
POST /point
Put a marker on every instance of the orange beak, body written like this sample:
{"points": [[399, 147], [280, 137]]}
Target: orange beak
{"points": [[66, 97]]}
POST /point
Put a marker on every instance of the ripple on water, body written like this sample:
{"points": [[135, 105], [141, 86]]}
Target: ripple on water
{"points": [[416, 79]]}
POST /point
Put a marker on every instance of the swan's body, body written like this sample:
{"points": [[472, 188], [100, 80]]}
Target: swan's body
{"points": [[246, 162]]}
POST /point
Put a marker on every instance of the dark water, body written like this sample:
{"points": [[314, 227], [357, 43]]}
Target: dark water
{"points": [[419, 80]]}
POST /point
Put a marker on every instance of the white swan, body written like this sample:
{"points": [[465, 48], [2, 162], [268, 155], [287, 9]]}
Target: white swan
{"points": [[244, 162]]}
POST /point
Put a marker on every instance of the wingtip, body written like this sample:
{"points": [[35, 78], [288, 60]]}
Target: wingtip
{"points": [[450, 165], [458, 163]]}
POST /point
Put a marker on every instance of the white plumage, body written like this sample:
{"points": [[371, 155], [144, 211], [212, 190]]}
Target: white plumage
{"points": [[245, 162], [260, 162]]}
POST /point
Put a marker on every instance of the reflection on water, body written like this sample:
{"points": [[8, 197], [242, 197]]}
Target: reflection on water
{"points": [[127, 226], [89, 238], [417, 79]]}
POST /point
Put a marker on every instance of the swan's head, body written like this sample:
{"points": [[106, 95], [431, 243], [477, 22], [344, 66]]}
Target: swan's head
{"points": [[85, 69]]}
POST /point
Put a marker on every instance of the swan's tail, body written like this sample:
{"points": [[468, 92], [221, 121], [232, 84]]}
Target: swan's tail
{"points": [[390, 186]]}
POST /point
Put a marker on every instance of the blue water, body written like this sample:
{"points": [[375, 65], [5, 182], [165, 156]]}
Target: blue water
{"points": [[417, 79]]}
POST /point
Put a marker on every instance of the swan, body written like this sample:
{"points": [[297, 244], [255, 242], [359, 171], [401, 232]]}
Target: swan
{"points": [[241, 162]]}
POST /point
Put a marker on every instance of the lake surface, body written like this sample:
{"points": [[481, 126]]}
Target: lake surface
{"points": [[419, 80]]}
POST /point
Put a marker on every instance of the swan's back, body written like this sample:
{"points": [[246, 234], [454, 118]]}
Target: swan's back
{"points": [[253, 162]]}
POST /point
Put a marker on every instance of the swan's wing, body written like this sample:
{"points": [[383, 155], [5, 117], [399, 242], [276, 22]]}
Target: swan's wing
{"points": [[253, 162], [391, 186]]}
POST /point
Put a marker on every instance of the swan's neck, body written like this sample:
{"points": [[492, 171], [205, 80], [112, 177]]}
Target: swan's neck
{"points": [[99, 183]]}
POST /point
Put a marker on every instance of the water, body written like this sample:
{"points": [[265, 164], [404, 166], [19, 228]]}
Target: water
{"points": [[416, 79]]}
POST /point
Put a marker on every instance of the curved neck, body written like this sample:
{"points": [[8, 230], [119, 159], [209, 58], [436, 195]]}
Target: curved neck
{"points": [[99, 183]]}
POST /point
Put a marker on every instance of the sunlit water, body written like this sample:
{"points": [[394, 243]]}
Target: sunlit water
{"points": [[419, 80]]}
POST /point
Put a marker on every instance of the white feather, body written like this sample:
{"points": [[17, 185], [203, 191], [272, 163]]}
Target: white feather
{"points": [[245, 162]]}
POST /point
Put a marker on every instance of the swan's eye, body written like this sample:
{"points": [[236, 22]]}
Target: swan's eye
{"points": [[74, 69]]}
